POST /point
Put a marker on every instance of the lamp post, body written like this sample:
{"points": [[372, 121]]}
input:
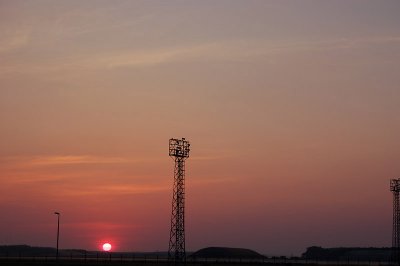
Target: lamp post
{"points": [[58, 231]]}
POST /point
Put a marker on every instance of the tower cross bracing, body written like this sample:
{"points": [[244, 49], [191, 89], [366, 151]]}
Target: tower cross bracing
{"points": [[179, 151], [395, 188]]}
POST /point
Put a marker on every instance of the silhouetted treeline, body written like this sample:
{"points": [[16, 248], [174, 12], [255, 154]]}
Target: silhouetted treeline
{"points": [[375, 254], [16, 250]]}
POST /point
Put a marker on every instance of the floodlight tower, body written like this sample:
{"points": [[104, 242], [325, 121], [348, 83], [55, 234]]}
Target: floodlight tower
{"points": [[395, 188], [179, 150]]}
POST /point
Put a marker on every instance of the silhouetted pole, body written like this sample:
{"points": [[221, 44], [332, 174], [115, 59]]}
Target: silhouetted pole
{"points": [[58, 231]]}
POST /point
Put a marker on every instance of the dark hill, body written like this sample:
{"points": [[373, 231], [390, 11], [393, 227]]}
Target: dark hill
{"points": [[222, 252]]}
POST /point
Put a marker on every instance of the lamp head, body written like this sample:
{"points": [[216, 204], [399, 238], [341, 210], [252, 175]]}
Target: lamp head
{"points": [[179, 148]]}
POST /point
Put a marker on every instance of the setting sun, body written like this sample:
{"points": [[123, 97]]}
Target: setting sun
{"points": [[107, 246]]}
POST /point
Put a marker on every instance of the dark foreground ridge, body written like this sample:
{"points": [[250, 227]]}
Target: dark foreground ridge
{"points": [[223, 252]]}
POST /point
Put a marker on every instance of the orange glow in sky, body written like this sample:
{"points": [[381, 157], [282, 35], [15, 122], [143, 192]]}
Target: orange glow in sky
{"points": [[291, 107]]}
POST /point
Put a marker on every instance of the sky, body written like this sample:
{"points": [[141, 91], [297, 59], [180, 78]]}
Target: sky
{"points": [[291, 108]]}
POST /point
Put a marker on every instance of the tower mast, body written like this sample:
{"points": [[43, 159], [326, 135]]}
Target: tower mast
{"points": [[395, 188], [179, 150]]}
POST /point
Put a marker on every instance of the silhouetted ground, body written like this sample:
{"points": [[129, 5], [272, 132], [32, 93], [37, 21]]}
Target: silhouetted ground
{"points": [[29, 256], [44, 262]]}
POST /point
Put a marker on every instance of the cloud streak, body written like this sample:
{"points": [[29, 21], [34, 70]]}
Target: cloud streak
{"points": [[71, 159], [14, 40], [60, 160], [114, 190], [101, 225], [223, 50]]}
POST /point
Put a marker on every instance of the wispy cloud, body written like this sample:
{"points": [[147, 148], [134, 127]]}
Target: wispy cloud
{"points": [[55, 174], [212, 155], [96, 19], [114, 189], [55, 160], [73, 159], [84, 187], [334, 44], [102, 225], [223, 50], [148, 58], [114, 60], [10, 41]]}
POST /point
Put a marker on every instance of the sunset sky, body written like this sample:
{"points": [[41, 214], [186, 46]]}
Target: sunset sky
{"points": [[292, 109]]}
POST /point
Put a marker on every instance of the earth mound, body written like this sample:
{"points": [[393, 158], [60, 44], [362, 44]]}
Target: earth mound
{"points": [[223, 252]]}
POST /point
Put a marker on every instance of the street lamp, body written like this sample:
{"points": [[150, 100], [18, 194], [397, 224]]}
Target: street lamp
{"points": [[58, 231]]}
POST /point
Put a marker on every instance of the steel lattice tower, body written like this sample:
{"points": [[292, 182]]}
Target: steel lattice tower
{"points": [[395, 188], [179, 150]]}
